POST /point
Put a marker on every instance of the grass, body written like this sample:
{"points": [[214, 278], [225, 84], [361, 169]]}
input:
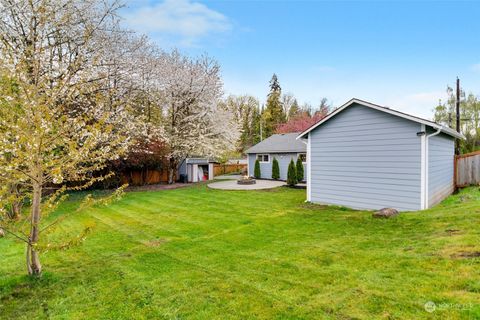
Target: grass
{"points": [[197, 253]]}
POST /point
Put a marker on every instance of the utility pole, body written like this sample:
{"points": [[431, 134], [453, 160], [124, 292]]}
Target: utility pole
{"points": [[457, 110], [261, 131], [261, 125]]}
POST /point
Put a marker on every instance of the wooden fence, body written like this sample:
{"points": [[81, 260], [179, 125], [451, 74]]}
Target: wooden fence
{"points": [[467, 169], [144, 177], [219, 169]]}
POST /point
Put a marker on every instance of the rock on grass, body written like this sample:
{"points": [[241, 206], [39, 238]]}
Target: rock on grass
{"points": [[385, 213]]}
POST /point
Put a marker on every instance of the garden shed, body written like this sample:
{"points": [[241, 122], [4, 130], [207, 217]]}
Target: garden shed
{"points": [[283, 147], [366, 156], [195, 170]]}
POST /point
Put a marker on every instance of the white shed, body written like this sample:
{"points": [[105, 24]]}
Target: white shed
{"points": [[195, 170]]}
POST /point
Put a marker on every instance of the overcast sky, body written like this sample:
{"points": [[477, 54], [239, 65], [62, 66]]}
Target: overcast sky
{"points": [[397, 54]]}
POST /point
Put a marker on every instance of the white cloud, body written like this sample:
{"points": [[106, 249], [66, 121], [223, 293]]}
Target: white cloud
{"points": [[476, 67], [178, 22], [418, 104]]}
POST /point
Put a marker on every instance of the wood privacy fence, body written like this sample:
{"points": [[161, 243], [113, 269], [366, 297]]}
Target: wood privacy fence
{"points": [[154, 176], [467, 169], [219, 169], [144, 177]]}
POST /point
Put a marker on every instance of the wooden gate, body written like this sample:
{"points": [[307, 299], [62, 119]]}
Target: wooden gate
{"points": [[467, 169]]}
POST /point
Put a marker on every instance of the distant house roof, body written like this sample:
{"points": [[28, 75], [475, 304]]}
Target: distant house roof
{"points": [[279, 143], [353, 101]]}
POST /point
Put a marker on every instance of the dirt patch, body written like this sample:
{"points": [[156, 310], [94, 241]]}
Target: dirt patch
{"points": [[472, 254], [452, 232], [156, 187], [155, 243]]}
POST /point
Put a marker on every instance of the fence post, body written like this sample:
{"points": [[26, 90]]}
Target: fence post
{"points": [[455, 160]]}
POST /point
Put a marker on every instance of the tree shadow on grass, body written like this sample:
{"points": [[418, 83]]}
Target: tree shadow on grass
{"points": [[19, 294]]}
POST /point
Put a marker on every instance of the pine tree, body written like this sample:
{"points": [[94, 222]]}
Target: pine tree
{"points": [[299, 169], [292, 174], [275, 169], [294, 109], [255, 126], [257, 174], [274, 113], [274, 84]]}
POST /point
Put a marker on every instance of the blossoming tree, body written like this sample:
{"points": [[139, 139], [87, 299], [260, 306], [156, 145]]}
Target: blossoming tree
{"points": [[57, 121]]}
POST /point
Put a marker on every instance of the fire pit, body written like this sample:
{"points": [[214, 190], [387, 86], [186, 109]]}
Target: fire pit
{"points": [[246, 180]]}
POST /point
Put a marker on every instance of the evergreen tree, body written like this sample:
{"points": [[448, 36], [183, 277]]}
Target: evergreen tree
{"points": [[275, 169], [299, 169], [257, 174], [274, 113], [294, 109], [255, 125], [274, 84], [292, 174]]}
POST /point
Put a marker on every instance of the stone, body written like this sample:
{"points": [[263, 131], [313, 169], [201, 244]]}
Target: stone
{"points": [[385, 213], [246, 180]]}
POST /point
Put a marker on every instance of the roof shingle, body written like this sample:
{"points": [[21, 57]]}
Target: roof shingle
{"points": [[279, 143]]}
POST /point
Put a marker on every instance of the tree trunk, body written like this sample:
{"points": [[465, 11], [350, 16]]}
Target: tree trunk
{"points": [[16, 210], [17, 203], [33, 258], [171, 170]]}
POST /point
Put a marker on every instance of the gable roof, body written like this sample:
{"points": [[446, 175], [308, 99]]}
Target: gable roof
{"points": [[353, 101], [279, 143]]}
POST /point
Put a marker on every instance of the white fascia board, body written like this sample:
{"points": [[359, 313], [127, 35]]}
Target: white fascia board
{"points": [[423, 168], [386, 110], [309, 168]]}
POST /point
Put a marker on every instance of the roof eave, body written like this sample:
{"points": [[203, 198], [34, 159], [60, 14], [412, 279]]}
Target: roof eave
{"points": [[386, 110], [452, 133], [275, 151]]}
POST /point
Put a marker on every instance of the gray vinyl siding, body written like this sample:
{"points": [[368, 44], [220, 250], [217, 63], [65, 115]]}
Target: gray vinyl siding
{"points": [[366, 159], [266, 168], [441, 152], [182, 169]]}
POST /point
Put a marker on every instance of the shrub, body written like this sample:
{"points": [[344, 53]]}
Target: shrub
{"points": [[292, 174], [275, 169], [299, 170], [256, 173]]}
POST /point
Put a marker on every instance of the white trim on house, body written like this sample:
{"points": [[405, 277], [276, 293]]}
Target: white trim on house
{"points": [[263, 154], [210, 171], [423, 166], [309, 168], [434, 125], [195, 172], [427, 205]]}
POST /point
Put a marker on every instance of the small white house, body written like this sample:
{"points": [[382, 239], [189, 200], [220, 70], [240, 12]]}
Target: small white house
{"points": [[367, 156]]}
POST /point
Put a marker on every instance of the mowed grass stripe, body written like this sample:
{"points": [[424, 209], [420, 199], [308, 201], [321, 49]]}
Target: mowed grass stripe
{"points": [[251, 255]]}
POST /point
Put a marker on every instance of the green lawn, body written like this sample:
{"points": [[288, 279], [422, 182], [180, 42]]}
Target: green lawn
{"points": [[196, 253]]}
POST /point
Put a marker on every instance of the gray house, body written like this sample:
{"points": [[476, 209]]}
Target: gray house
{"points": [[283, 147], [368, 157]]}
